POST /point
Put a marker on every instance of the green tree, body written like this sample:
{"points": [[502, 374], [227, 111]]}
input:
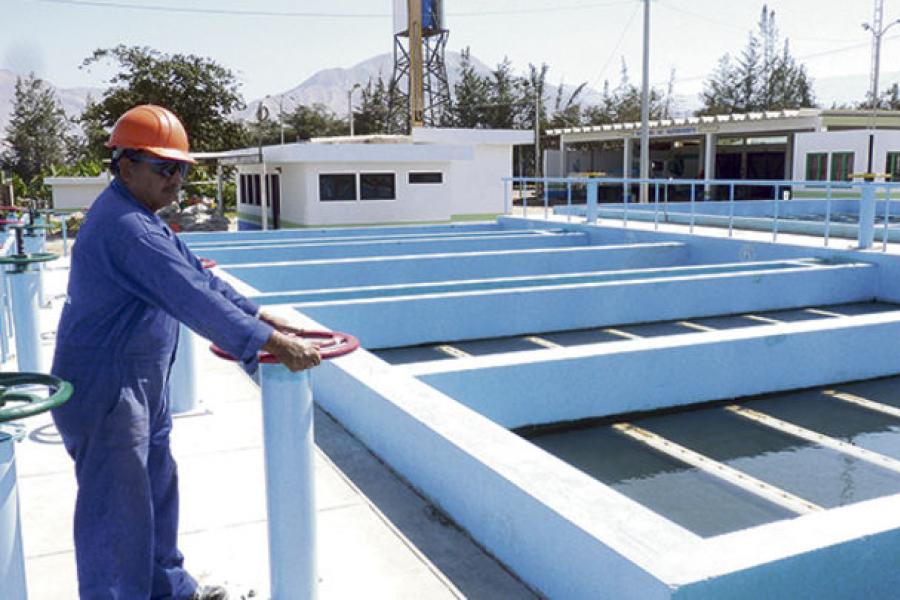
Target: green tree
{"points": [[763, 78], [623, 104], [470, 94], [306, 122], [374, 114], [36, 132], [505, 98], [203, 94]]}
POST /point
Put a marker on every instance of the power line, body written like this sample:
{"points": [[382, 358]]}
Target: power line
{"points": [[615, 49], [320, 15]]}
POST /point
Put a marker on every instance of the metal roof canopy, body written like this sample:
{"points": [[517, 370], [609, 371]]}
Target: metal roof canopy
{"points": [[804, 119]]}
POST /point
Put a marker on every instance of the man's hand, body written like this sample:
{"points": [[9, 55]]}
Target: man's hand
{"points": [[294, 354]]}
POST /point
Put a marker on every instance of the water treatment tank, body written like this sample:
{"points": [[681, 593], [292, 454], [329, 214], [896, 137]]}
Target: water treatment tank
{"points": [[432, 17]]}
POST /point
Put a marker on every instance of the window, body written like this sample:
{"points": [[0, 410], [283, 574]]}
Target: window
{"points": [[429, 177], [251, 188], [337, 186], [377, 186], [893, 165], [841, 166], [816, 166]]}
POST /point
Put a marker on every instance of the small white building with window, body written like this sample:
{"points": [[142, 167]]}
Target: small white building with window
{"points": [[434, 175]]}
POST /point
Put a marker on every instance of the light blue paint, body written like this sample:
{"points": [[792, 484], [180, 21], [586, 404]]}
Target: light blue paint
{"points": [[512, 283], [402, 322], [290, 494], [12, 557], [509, 494], [382, 270], [24, 292], [312, 250], [648, 374], [200, 239]]}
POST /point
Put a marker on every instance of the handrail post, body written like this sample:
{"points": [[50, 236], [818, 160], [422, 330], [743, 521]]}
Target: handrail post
{"points": [[731, 209], [867, 216], [591, 202]]}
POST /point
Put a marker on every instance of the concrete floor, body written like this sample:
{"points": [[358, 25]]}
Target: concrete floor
{"points": [[377, 538]]}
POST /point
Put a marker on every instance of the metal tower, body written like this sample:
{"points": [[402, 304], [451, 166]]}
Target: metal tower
{"points": [[420, 89]]}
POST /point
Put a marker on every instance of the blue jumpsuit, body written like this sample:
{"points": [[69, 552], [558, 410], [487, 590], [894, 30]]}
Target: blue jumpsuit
{"points": [[131, 281]]}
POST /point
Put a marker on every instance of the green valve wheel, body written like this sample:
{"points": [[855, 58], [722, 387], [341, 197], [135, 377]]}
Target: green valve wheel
{"points": [[28, 394], [37, 257]]}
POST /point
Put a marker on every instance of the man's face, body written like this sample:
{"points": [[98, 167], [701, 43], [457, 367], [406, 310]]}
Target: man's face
{"points": [[152, 186]]}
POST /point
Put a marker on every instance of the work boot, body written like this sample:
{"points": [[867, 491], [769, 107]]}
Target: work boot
{"points": [[210, 592]]}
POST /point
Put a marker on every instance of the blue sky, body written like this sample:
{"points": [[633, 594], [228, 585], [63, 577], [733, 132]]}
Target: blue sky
{"points": [[581, 40]]}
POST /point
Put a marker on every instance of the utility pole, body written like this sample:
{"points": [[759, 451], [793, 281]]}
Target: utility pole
{"points": [[645, 108], [350, 105], [537, 133], [878, 30], [416, 90]]}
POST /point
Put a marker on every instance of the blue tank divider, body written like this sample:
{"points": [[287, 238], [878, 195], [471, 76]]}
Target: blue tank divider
{"points": [[337, 249], [678, 295], [663, 372], [382, 270], [345, 231], [12, 557]]}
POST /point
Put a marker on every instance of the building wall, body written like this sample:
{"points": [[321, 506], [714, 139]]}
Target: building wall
{"points": [[76, 192], [478, 184], [856, 141]]}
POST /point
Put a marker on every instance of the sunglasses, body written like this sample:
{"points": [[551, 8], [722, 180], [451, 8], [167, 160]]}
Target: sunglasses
{"points": [[164, 168]]}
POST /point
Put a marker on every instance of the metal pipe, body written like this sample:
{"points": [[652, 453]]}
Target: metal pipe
{"points": [[24, 286], [290, 494], [645, 107], [12, 557], [182, 380]]}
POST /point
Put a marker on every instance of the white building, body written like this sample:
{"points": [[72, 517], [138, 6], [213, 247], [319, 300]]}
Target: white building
{"points": [[434, 175], [787, 144], [76, 193]]}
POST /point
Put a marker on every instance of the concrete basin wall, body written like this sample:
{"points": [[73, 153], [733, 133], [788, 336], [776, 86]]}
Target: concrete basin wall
{"points": [[392, 322], [380, 270]]}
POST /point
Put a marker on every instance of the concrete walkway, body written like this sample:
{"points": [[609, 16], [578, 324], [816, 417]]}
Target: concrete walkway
{"points": [[377, 537]]}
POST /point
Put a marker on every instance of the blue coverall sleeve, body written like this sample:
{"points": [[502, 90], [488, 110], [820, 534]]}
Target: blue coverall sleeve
{"points": [[155, 270], [221, 286]]}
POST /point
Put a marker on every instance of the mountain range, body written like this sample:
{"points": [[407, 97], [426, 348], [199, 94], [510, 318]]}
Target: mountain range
{"points": [[330, 87]]}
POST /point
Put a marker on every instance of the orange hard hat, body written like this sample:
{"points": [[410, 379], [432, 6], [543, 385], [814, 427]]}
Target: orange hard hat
{"points": [[153, 129]]}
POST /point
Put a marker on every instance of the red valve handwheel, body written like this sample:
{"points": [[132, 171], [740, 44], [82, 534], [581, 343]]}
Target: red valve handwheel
{"points": [[331, 344]]}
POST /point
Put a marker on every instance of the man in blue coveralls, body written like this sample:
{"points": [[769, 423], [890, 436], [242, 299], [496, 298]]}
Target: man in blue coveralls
{"points": [[131, 281]]}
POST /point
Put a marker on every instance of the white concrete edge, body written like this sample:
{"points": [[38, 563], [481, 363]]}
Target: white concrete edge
{"points": [[614, 520], [697, 338], [767, 543]]}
